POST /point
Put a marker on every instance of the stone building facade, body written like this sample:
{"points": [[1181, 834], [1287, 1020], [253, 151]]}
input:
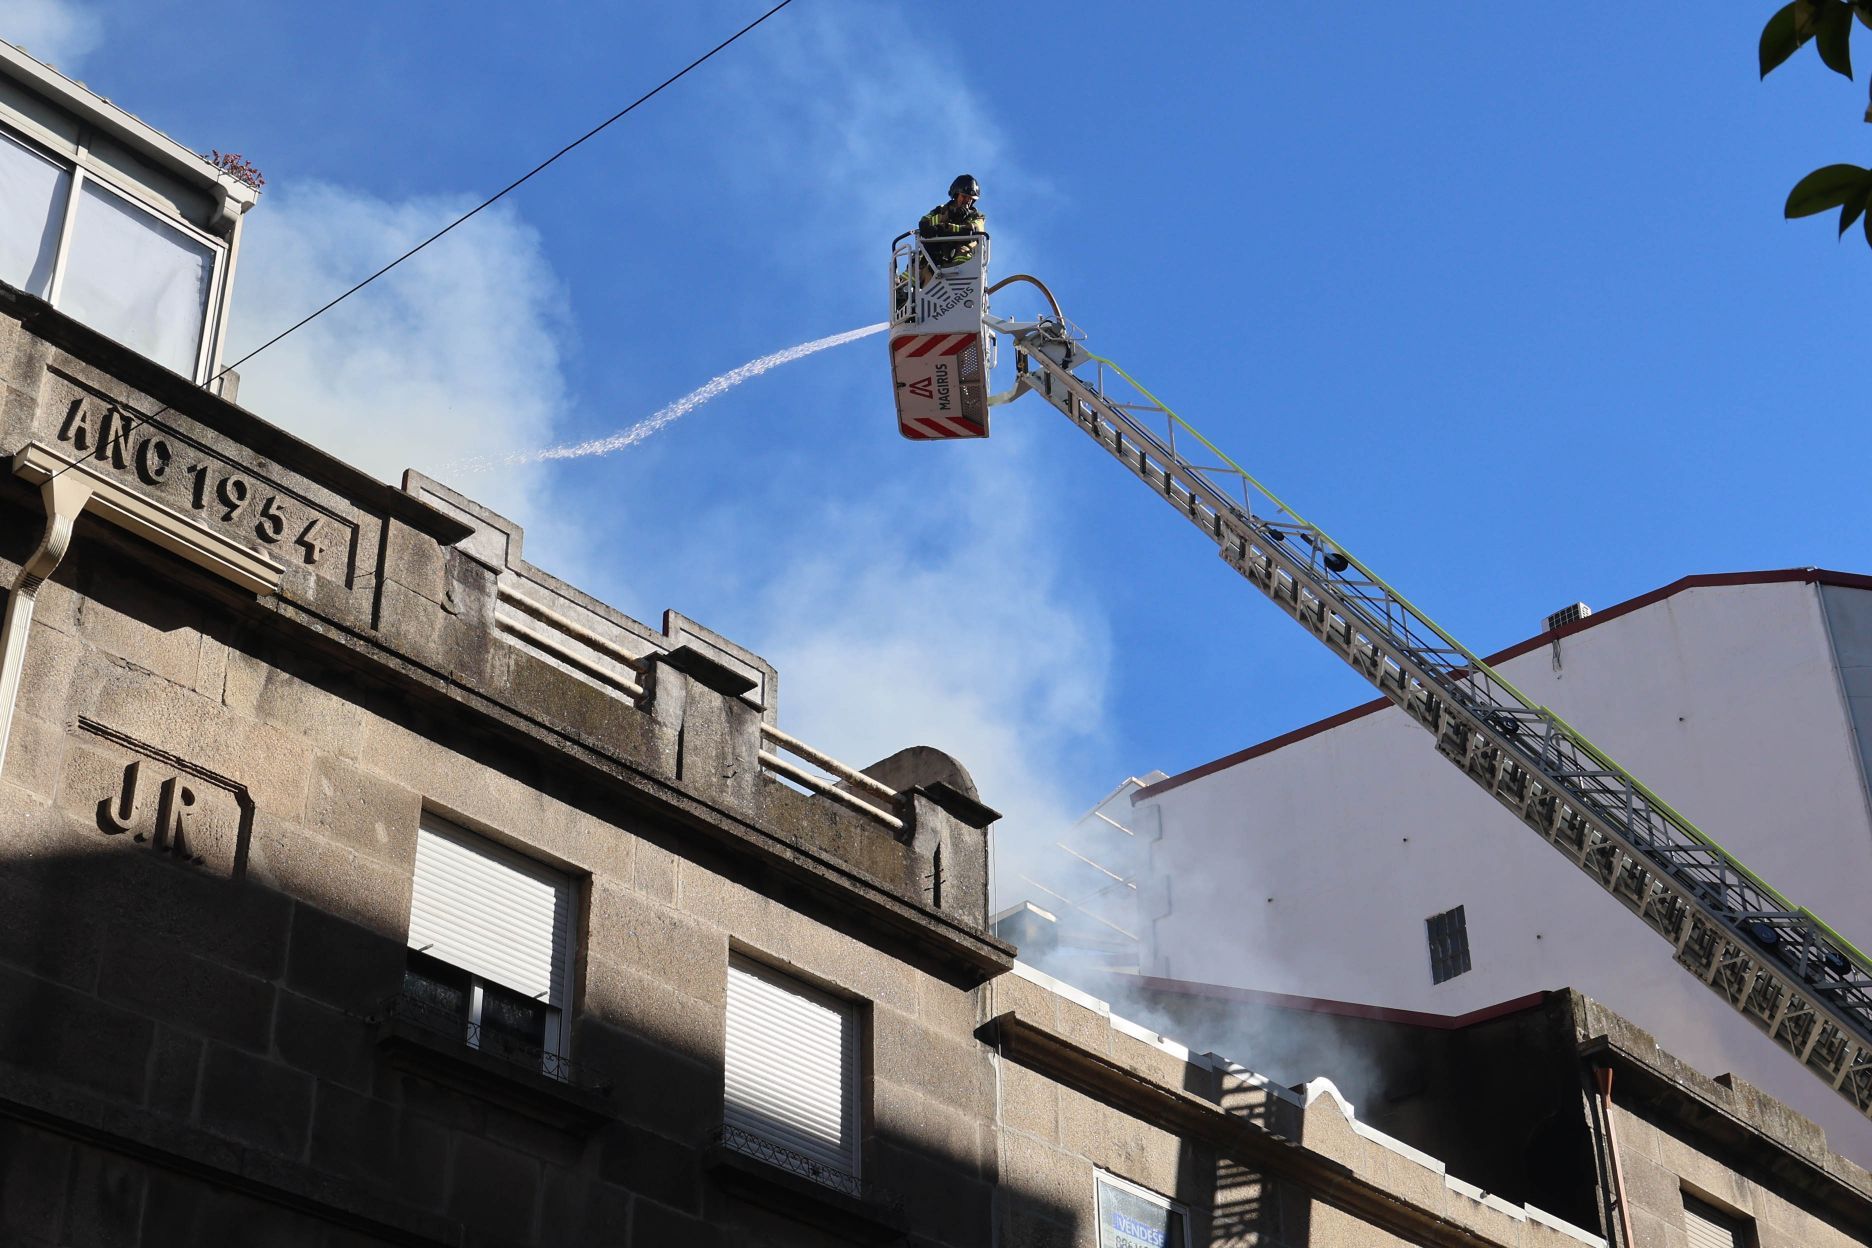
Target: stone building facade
{"points": [[365, 885], [223, 1017]]}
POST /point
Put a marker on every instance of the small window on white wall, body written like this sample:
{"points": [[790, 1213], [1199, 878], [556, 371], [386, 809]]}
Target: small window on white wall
{"points": [[489, 946], [1130, 1216], [1449, 944], [791, 1068]]}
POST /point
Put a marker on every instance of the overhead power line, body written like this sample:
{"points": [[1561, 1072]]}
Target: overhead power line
{"points": [[515, 184], [484, 204]]}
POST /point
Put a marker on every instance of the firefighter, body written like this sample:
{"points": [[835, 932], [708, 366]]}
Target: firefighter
{"points": [[958, 216]]}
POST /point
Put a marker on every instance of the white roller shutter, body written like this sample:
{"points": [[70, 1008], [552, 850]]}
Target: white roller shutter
{"points": [[490, 912], [1708, 1227], [791, 1066]]}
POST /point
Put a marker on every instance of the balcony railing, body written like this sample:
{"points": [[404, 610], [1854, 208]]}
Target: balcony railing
{"points": [[572, 643], [444, 1024], [617, 667], [737, 1140], [844, 784]]}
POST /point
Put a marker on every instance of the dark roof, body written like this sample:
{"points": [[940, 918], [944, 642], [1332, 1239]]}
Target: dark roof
{"points": [[1812, 576], [1341, 1009]]}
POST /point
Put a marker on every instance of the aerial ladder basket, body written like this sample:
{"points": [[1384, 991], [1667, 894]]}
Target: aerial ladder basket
{"points": [[1774, 962], [940, 348]]}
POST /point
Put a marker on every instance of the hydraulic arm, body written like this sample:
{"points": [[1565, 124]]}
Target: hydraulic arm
{"points": [[1773, 961]]}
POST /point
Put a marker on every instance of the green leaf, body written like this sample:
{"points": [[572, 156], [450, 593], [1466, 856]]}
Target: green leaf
{"points": [[1830, 187], [1833, 37], [1863, 11], [1867, 222], [1779, 39], [1849, 213]]}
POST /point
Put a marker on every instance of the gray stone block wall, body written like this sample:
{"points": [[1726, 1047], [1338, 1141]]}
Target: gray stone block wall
{"points": [[194, 1045], [1720, 1140], [227, 1020]]}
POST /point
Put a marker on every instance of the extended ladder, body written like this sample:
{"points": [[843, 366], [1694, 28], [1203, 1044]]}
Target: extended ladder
{"points": [[1775, 962]]}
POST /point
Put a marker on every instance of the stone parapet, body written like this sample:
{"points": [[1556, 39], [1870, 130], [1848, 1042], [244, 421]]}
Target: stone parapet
{"points": [[1675, 1119], [424, 591]]}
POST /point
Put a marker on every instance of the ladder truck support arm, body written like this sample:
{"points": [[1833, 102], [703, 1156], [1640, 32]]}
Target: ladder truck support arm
{"points": [[1774, 962]]}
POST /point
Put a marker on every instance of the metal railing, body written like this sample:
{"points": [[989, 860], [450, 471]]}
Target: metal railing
{"points": [[921, 289], [447, 1024], [737, 1140], [844, 784]]}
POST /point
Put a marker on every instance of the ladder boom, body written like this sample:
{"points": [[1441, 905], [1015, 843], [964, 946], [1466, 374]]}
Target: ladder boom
{"points": [[1774, 962]]}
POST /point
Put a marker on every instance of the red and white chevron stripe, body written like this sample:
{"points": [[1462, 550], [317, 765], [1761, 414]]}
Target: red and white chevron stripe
{"points": [[924, 428], [911, 346]]}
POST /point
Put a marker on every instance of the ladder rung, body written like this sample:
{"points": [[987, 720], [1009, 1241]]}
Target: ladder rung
{"points": [[1809, 996]]}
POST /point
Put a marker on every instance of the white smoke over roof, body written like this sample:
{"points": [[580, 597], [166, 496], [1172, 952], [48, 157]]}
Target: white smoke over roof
{"points": [[456, 354]]}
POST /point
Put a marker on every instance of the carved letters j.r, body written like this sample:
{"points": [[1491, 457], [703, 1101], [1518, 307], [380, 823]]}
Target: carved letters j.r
{"points": [[172, 832]]}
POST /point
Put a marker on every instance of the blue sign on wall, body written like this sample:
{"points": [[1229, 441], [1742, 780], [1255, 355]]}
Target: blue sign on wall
{"points": [[1128, 1220]]}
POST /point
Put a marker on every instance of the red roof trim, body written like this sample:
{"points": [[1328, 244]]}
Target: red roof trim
{"points": [[1341, 1009], [1819, 576]]}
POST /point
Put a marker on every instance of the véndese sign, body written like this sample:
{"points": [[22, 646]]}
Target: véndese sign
{"points": [[1127, 1218]]}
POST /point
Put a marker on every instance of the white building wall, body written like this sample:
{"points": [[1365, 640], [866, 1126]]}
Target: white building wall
{"points": [[1311, 868]]}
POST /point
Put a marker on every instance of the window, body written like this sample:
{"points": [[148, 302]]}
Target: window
{"points": [[136, 279], [791, 1072], [1449, 945], [1706, 1226], [102, 257], [1130, 1216], [33, 191], [488, 944]]}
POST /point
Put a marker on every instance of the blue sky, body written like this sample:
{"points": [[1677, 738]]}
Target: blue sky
{"points": [[1499, 295]]}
